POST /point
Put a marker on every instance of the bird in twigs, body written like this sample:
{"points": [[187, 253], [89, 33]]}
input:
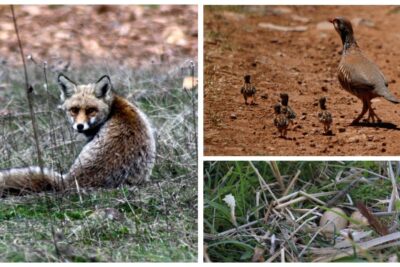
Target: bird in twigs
{"points": [[324, 116], [248, 90], [358, 75], [281, 121]]}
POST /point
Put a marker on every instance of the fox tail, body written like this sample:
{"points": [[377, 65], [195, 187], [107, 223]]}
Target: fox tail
{"points": [[28, 180]]}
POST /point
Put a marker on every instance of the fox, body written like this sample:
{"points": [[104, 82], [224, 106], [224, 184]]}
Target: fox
{"points": [[120, 144]]}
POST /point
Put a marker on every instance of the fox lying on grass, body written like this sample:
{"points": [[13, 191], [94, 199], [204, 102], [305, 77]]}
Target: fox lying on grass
{"points": [[120, 144]]}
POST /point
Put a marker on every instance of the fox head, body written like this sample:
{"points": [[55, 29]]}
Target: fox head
{"points": [[87, 106]]}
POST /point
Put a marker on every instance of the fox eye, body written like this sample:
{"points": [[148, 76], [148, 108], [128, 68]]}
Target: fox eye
{"points": [[91, 111], [74, 110]]}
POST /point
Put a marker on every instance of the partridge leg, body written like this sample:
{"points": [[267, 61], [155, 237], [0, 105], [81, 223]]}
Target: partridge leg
{"points": [[372, 114], [245, 100], [364, 110]]}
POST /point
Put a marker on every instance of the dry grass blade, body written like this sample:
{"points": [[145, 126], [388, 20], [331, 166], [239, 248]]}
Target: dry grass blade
{"points": [[262, 181], [359, 247], [277, 174], [292, 183], [395, 193], [29, 91]]}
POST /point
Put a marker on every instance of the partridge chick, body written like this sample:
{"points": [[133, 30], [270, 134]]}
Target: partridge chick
{"points": [[357, 74], [286, 109], [324, 116], [281, 121], [248, 90]]}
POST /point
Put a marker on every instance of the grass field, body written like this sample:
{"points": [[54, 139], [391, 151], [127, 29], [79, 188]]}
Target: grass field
{"points": [[153, 222], [278, 206]]}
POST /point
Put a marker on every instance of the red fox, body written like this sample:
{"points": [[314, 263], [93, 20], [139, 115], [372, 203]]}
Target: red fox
{"points": [[120, 144]]}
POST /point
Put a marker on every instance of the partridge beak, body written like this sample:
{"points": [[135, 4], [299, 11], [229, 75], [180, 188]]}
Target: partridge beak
{"points": [[331, 20]]}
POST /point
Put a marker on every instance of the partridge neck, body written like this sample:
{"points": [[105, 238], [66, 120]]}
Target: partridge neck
{"points": [[348, 41]]}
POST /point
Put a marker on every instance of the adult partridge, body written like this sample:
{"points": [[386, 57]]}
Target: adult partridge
{"points": [[357, 74], [324, 116], [248, 90]]}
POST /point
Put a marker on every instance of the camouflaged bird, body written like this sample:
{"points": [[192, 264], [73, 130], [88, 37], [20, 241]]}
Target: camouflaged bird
{"points": [[286, 109], [248, 90], [281, 121], [324, 116]]}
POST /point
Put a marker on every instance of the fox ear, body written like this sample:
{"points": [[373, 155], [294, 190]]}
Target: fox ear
{"points": [[103, 87], [67, 86]]}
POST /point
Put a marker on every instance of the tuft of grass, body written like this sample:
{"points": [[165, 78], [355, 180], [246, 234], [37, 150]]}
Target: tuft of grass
{"points": [[158, 221]]}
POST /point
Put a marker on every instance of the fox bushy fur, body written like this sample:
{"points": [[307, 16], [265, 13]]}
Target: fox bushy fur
{"points": [[120, 144]]}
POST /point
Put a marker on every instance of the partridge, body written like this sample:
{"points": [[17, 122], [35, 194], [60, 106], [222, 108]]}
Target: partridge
{"points": [[357, 74], [281, 121], [248, 90], [286, 109], [324, 116]]}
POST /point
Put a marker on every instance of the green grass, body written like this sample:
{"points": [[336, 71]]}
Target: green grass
{"points": [[157, 221], [239, 179]]}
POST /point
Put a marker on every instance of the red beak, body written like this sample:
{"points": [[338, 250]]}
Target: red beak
{"points": [[331, 20]]}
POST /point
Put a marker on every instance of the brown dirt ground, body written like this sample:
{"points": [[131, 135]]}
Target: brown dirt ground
{"points": [[302, 64], [127, 35]]}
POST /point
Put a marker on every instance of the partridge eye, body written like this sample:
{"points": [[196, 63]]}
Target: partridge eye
{"points": [[74, 110]]}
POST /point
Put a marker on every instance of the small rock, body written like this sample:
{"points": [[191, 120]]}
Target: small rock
{"points": [[362, 21], [370, 138], [300, 19], [281, 10], [342, 130], [264, 96], [233, 116], [274, 27], [324, 89], [312, 145], [353, 139], [383, 144], [324, 25], [303, 117], [357, 138], [280, 54]]}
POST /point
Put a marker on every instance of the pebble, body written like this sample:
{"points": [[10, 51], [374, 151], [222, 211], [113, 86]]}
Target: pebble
{"points": [[324, 25]]}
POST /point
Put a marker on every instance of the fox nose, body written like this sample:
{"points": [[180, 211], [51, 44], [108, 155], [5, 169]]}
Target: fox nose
{"points": [[79, 127]]}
